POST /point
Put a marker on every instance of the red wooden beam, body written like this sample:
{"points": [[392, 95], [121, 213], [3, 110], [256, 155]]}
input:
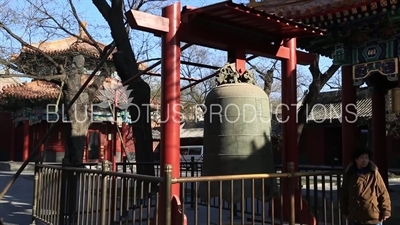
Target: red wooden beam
{"points": [[305, 58], [192, 34], [202, 36], [147, 22]]}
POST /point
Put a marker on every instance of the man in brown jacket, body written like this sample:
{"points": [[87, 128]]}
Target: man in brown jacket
{"points": [[364, 197]]}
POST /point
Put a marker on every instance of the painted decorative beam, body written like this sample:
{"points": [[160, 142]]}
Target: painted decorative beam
{"points": [[201, 36]]}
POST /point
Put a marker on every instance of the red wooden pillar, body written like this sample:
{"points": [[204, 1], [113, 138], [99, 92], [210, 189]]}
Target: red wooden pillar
{"points": [[170, 93], [114, 145], [238, 56], [289, 128], [290, 189], [12, 141], [123, 141], [42, 131], [118, 141], [379, 132], [289, 111], [110, 143], [170, 105], [106, 155], [349, 115], [25, 150]]}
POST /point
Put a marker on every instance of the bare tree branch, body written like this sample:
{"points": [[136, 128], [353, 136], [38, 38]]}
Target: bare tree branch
{"points": [[266, 76], [318, 82], [88, 40], [9, 65], [93, 42], [25, 44]]}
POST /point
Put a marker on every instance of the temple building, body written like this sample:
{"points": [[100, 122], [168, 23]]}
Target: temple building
{"points": [[28, 108]]}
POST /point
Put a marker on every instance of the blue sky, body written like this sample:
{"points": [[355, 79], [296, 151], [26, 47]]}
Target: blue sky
{"points": [[89, 13]]}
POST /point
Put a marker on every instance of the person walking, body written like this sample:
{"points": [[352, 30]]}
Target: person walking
{"points": [[364, 196]]}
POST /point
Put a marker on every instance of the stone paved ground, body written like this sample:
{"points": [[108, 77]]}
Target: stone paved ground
{"points": [[395, 198], [16, 206]]}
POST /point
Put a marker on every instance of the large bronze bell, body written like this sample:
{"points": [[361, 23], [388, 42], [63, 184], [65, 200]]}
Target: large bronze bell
{"points": [[237, 137]]}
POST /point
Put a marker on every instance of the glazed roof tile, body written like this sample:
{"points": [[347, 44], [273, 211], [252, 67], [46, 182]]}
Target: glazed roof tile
{"points": [[79, 43], [44, 90], [329, 105], [4, 82], [66, 45], [298, 9], [244, 18]]}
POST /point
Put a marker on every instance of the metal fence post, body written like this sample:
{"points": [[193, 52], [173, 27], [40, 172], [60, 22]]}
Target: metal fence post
{"points": [[35, 194], [167, 188], [105, 166], [292, 181], [63, 197], [192, 189], [124, 161], [71, 179]]}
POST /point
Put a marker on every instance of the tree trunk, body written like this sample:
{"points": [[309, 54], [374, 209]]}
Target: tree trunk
{"points": [[127, 66], [76, 138], [319, 81], [78, 123], [308, 103], [142, 128], [80, 114]]}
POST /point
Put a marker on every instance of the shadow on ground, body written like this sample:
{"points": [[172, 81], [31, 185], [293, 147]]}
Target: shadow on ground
{"points": [[16, 205]]}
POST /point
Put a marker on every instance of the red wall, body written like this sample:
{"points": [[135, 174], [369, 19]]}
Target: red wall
{"points": [[321, 145], [105, 145], [56, 141], [6, 136], [130, 142], [393, 151], [312, 146]]}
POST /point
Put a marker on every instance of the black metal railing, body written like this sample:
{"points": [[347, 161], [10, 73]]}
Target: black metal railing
{"points": [[95, 195]]}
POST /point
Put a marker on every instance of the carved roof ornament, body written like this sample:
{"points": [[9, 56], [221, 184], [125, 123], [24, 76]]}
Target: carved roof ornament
{"points": [[228, 75]]}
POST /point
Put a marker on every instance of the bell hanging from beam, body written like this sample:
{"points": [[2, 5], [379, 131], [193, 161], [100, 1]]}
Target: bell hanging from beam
{"points": [[237, 138]]}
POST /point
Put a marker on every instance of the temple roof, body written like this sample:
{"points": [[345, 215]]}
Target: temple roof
{"points": [[39, 89], [4, 82], [79, 43], [329, 105], [44, 90], [65, 46], [350, 22], [298, 9], [240, 17]]}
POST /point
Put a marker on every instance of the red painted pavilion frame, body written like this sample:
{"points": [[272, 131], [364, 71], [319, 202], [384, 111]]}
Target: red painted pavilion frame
{"points": [[188, 25]]}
